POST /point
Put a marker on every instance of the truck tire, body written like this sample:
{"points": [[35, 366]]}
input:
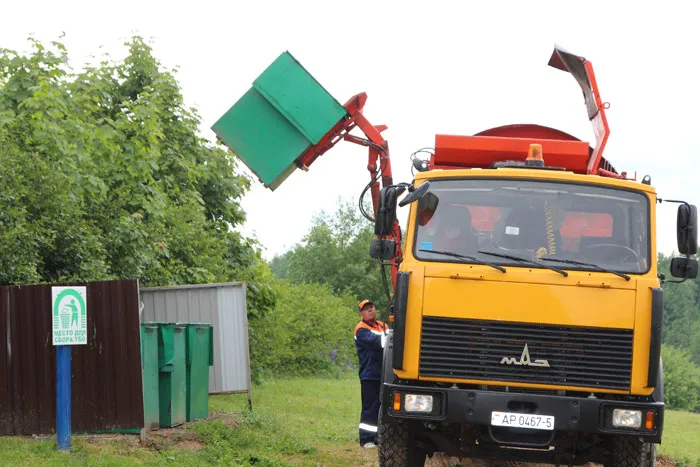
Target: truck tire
{"points": [[397, 447], [627, 451]]}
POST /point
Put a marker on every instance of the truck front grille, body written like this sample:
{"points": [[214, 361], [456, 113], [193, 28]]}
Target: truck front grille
{"points": [[476, 349]]}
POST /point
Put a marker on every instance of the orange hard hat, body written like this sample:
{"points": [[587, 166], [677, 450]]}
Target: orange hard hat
{"points": [[363, 303]]}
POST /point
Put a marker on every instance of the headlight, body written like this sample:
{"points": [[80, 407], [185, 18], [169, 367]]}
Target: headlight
{"points": [[418, 403], [623, 418]]}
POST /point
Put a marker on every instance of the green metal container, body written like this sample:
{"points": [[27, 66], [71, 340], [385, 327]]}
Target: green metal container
{"points": [[200, 356], [149, 365], [172, 379], [284, 113]]}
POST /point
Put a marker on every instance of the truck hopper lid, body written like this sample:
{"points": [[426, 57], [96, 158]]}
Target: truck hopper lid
{"points": [[511, 142]]}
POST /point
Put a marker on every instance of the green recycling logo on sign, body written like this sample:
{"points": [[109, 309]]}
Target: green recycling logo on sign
{"points": [[69, 313]]}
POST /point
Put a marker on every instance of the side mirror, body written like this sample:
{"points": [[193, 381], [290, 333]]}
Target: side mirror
{"points": [[416, 194], [386, 213], [382, 249], [683, 267], [687, 229]]}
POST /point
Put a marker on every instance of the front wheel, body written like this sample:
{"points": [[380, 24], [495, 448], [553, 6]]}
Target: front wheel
{"points": [[631, 452], [397, 447]]}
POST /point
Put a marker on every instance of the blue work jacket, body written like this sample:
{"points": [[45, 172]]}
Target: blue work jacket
{"points": [[369, 344]]}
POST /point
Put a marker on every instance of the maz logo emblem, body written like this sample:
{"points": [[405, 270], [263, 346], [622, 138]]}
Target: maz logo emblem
{"points": [[524, 360]]}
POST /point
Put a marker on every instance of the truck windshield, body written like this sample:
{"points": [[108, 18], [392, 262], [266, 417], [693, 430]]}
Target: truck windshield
{"points": [[604, 227]]}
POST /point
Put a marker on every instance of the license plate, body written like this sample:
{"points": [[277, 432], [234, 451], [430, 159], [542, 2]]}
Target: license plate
{"points": [[522, 420]]}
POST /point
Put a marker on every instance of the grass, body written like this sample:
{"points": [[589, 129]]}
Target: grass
{"points": [[85, 452], [294, 422], [308, 421], [300, 422], [681, 439]]}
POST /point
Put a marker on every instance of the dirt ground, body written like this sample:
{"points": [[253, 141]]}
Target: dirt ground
{"points": [[171, 438], [443, 461], [369, 459]]}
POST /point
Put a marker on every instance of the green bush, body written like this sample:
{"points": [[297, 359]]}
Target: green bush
{"points": [[681, 380], [309, 332]]}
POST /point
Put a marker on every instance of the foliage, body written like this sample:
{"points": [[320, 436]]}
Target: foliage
{"points": [[310, 331], [335, 252], [104, 175], [682, 380], [279, 265]]}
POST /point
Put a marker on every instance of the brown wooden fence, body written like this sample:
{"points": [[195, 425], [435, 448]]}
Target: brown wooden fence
{"points": [[106, 373]]}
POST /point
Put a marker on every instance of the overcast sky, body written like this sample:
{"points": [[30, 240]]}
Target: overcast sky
{"points": [[450, 67]]}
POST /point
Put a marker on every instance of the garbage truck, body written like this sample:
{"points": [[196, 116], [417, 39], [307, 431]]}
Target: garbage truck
{"points": [[526, 303]]}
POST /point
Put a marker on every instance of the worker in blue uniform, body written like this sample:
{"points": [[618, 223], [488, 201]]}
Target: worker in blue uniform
{"points": [[370, 338]]}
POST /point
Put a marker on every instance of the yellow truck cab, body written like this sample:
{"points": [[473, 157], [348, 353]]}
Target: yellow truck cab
{"points": [[527, 321]]}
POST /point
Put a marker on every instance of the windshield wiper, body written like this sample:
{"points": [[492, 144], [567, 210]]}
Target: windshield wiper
{"points": [[470, 258], [591, 265], [524, 260]]}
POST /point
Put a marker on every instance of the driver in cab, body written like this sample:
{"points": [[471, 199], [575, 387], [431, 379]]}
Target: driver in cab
{"points": [[448, 229]]}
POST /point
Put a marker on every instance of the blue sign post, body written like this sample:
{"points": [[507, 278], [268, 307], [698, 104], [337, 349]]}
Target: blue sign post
{"points": [[63, 398], [69, 314]]}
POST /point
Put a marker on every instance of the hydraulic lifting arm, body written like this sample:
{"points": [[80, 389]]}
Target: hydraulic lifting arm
{"points": [[379, 162]]}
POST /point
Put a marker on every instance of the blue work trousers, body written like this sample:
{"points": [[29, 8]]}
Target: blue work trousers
{"points": [[370, 411]]}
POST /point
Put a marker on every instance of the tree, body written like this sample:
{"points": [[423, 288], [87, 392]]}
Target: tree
{"points": [[279, 265], [105, 176]]}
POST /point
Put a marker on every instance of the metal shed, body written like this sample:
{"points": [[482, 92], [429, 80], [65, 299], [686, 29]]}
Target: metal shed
{"points": [[224, 306]]}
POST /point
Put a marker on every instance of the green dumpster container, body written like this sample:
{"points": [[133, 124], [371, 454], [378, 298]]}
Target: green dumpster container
{"points": [[285, 112], [172, 374], [200, 356], [149, 365]]}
